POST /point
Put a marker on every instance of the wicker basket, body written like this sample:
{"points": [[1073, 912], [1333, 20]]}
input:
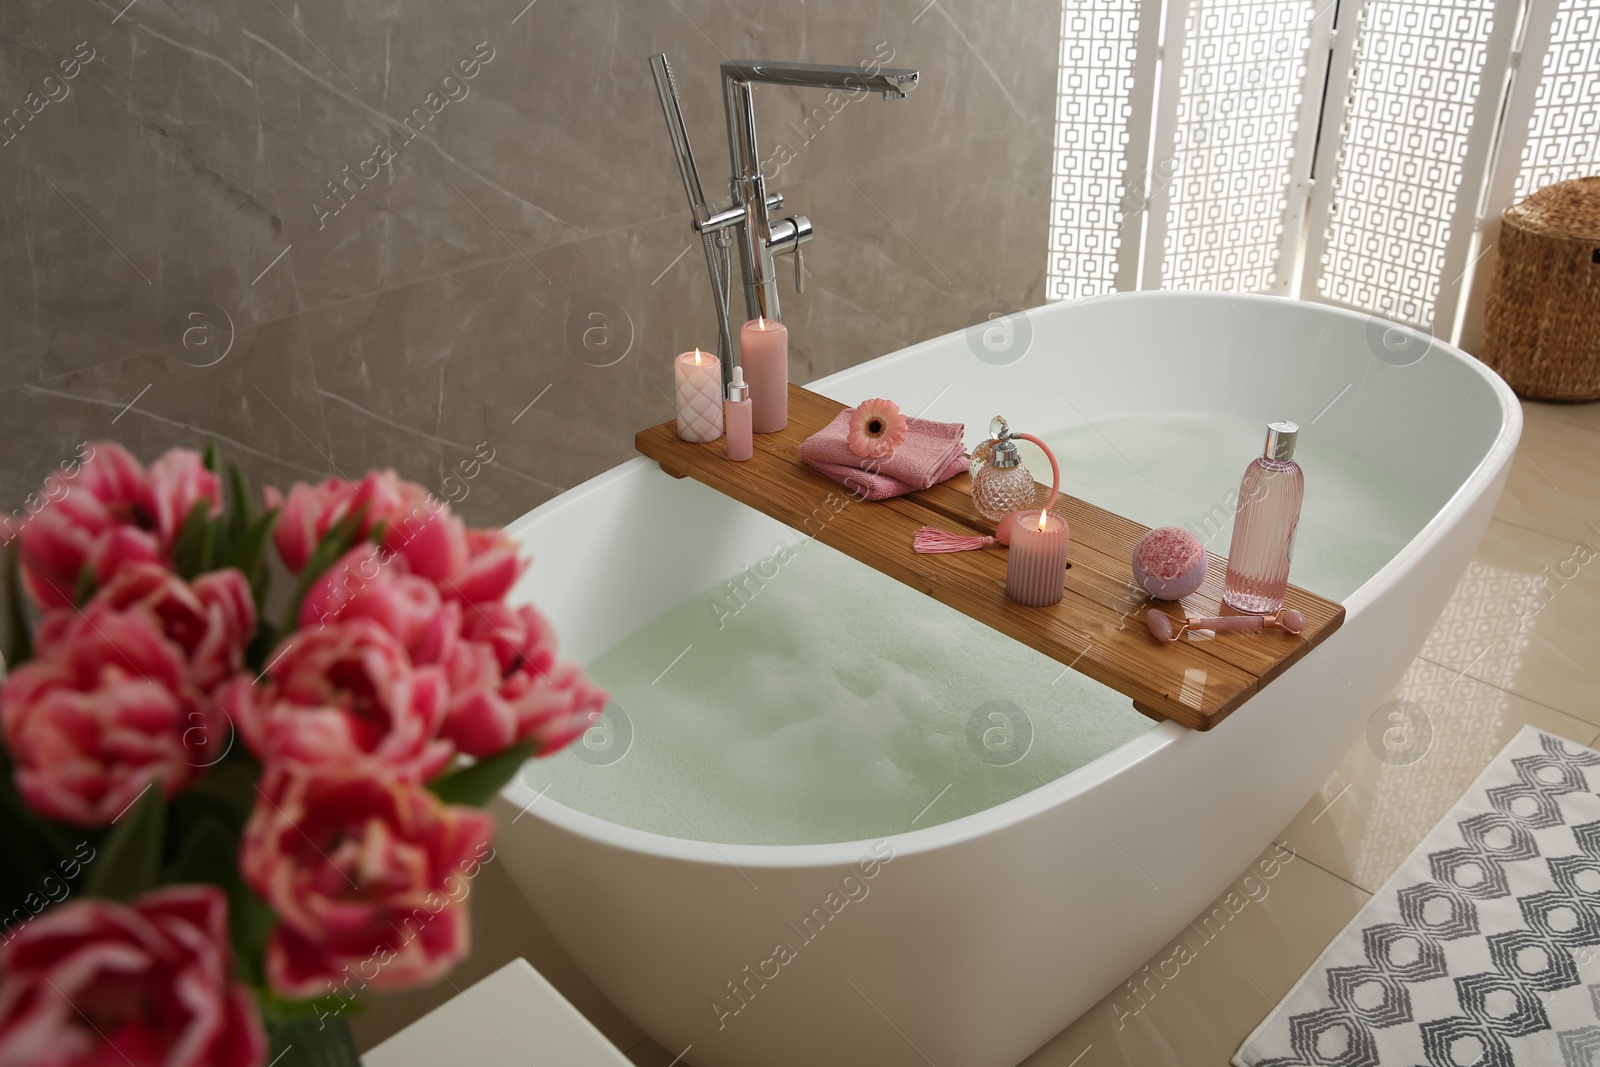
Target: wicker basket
{"points": [[1542, 322]]}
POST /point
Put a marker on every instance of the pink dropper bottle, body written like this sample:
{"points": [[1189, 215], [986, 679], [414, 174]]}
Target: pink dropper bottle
{"points": [[738, 418]]}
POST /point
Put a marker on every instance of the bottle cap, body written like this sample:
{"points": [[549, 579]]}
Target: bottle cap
{"points": [[1004, 455], [1280, 440], [738, 391]]}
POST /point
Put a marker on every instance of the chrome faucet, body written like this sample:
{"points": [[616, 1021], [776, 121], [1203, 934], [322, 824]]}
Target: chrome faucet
{"points": [[761, 239]]}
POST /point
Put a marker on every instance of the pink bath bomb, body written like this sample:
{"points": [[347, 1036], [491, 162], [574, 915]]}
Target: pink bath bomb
{"points": [[1169, 562]]}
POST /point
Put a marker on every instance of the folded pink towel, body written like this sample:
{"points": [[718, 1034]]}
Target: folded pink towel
{"points": [[881, 486], [930, 453]]}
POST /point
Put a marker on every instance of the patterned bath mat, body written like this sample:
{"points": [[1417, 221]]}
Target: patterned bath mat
{"points": [[1483, 949]]}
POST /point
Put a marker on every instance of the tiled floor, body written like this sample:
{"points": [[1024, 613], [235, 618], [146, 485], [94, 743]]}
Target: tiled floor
{"points": [[1512, 647], [1500, 657]]}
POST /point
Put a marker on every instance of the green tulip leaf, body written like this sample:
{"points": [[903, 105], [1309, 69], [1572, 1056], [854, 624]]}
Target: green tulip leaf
{"points": [[241, 508], [316, 1042], [130, 856], [477, 783], [334, 544], [194, 541], [87, 585], [19, 642]]}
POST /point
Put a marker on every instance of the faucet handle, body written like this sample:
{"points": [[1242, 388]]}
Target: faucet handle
{"points": [[785, 238]]}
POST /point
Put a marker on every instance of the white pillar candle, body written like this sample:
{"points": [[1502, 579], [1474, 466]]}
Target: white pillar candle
{"points": [[698, 378], [764, 355]]}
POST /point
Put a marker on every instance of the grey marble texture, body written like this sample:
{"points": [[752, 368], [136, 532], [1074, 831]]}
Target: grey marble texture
{"points": [[140, 185], [348, 234], [397, 211]]}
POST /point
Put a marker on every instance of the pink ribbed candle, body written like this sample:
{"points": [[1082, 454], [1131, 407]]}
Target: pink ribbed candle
{"points": [[698, 377], [764, 354], [1036, 560]]}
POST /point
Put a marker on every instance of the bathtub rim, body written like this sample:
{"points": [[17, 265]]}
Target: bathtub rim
{"points": [[1079, 780], [1498, 452]]}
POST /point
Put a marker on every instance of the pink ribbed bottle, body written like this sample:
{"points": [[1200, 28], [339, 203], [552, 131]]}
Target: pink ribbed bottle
{"points": [[1264, 526]]}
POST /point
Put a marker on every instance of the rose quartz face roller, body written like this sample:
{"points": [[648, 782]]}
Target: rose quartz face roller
{"points": [[1161, 625]]}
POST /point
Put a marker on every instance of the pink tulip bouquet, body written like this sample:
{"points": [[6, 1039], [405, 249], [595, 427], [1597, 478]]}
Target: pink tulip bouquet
{"points": [[217, 830]]}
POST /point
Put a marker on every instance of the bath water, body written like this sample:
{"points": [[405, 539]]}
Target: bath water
{"points": [[1184, 470], [824, 701]]}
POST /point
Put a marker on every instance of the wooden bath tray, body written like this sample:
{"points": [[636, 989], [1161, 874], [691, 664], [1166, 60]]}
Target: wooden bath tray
{"points": [[1098, 627]]}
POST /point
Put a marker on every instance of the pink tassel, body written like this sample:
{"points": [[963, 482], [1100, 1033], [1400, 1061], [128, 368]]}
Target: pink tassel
{"points": [[929, 540]]}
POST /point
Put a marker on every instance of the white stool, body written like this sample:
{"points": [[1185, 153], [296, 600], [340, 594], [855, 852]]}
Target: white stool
{"points": [[513, 1018]]}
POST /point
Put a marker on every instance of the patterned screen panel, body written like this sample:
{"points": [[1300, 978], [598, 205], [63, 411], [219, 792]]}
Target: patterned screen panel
{"points": [[1564, 136], [1238, 101], [1092, 132], [1407, 123]]}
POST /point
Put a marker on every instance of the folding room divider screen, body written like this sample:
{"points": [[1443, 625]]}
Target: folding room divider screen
{"points": [[1355, 152]]}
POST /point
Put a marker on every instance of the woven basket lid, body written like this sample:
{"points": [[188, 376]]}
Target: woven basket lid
{"points": [[1565, 209]]}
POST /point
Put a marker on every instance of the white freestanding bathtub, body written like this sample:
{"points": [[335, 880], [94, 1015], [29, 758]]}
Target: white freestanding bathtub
{"points": [[982, 937]]}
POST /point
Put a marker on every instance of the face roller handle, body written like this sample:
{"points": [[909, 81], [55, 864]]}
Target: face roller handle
{"points": [[1161, 627]]}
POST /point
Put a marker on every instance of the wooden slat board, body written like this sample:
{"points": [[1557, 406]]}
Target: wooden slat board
{"points": [[1098, 627]]}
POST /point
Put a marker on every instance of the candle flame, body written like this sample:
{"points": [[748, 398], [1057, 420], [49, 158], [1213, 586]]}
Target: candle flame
{"points": [[698, 356], [761, 322], [1042, 515]]}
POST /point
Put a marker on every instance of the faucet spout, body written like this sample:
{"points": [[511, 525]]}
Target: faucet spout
{"points": [[893, 83], [748, 219], [762, 238]]}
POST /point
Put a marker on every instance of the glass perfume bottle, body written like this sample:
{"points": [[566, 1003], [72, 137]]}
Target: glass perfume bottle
{"points": [[1000, 483], [1265, 524]]}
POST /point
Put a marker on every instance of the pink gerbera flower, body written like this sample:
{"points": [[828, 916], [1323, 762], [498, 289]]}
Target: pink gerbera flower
{"points": [[876, 428]]}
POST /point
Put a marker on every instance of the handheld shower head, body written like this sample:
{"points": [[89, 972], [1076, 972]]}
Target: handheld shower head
{"points": [[667, 89]]}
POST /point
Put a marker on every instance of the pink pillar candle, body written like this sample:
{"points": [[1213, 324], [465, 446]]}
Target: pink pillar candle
{"points": [[764, 354], [698, 377], [1036, 560]]}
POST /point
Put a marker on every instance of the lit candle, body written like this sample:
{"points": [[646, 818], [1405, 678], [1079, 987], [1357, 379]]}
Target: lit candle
{"points": [[698, 376], [1036, 559], [764, 354]]}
